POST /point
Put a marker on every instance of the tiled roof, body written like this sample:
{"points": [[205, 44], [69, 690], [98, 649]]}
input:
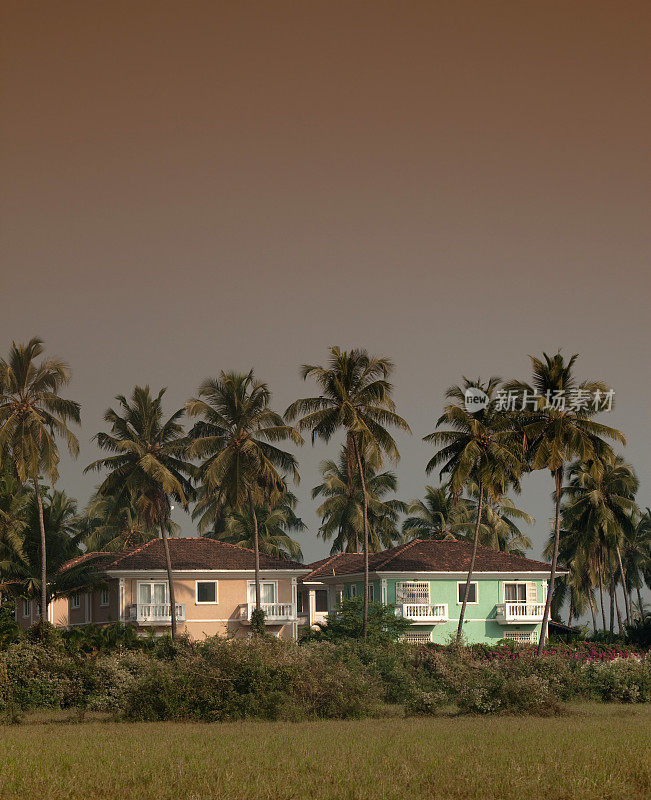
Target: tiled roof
{"points": [[100, 559], [196, 553], [428, 556]]}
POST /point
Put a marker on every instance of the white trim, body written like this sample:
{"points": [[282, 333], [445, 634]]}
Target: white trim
{"points": [[104, 593], [469, 603], [121, 600], [251, 584], [27, 604], [198, 602], [432, 575], [75, 602]]}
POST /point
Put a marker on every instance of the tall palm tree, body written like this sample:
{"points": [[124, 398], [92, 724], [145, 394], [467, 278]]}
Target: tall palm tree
{"points": [[557, 433], [148, 462], [355, 398], [499, 529], [478, 448], [13, 520], [236, 439], [638, 558], [63, 541], [274, 527], [438, 516], [32, 416], [599, 506], [342, 515], [116, 523]]}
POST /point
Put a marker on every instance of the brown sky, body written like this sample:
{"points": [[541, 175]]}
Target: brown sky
{"points": [[194, 186]]}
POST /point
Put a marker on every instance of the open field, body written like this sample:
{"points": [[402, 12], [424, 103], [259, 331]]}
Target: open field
{"points": [[597, 752]]}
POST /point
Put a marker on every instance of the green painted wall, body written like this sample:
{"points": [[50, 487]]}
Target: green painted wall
{"points": [[479, 624]]}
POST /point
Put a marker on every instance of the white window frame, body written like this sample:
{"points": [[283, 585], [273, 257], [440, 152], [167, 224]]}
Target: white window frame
{"points": [[470, 602], [75, 601], [27, 608], [516, 584], [251, 585], [421, 592], [104, 597], [153, 582], [214, 602], [371, 593], [416, 637], [352, 591]]}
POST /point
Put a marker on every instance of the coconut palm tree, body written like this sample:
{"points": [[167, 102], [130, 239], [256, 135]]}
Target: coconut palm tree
{"points": [[556, 432], [13, 521], [236, 439], [438, 516], [637, 558], [478, 448], [499, 529], [33, 415], [274, 526], [63, 536], [148, 464], [342, 515], [355, 398], [116, 523]]}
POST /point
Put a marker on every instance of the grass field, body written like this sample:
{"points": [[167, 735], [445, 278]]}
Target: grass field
{"points": [[595, 752]]}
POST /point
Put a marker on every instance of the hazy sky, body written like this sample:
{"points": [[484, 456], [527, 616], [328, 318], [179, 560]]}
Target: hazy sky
{"points": [[188, 187]]}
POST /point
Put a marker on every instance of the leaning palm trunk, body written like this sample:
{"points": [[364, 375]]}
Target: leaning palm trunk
{"points": [[256, 549], [558, 477], [611, 591], [640, 603], [170, 579], [601, 597], [620, 627], [480, 508], [365, 518], [41, 524], [627, 597], [592, 611]]}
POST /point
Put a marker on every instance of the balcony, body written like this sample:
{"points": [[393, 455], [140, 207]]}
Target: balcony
{"points": [[275, 613], [518, 613], [155, 613], [423, 613]]}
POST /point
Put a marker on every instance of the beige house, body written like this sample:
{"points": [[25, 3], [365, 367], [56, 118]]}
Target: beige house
{"points": [[213, 582]]}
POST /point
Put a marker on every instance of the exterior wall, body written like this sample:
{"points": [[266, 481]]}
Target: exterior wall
{"points": [[480, 623], [57, 613]]}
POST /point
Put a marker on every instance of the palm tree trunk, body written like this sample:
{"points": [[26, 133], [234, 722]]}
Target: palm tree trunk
{"points": [[571, 614], [592, 611], [601, 595], [351, 466], [256, 550], [640, 603], [41, 524], [627, 597], [611, 591], [365, 516], [620, 627], [558, 477], [480, 508], [170, 579]]}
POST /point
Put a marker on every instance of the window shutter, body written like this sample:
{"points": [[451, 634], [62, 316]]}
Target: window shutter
{"points": [[532, 596]]}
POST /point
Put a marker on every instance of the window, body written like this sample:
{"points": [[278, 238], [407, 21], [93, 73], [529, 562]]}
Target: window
{"points": [[371, 593], [472, 592], [352, 590], [521, 637], [412, 592], [152, 593], [321, 600], [416, 638], [515, 592], [104, 597], [268, 592], [26, 608], [206, 592], [75, 601], [299, 602]]}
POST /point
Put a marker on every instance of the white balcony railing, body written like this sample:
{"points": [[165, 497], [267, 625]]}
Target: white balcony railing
{"points": [[274, 612], [423, 612], [513, 613], [155, 613]]}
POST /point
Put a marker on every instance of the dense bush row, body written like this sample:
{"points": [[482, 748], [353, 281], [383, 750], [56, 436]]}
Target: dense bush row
{"points": [[221, 679]]}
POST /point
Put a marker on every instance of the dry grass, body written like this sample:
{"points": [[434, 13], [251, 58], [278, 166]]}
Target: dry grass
{"points": [[596, 752]]}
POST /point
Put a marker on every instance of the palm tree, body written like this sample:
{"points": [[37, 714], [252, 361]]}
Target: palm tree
{"points": [[356, 398], [236, 438], [13, 521], [498, 529], [478, 448], [274, 526], [342, 515], [32, 416], [148, 462], [116, 523], [637, 558], [555, 433], [438, 516], [63, 539]]}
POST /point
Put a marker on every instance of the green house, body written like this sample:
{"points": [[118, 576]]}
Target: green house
{"points": [[425, 580]]}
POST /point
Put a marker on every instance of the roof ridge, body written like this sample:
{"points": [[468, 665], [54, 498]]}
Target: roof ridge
{"points": [[326, 561], [127, 553], [396, 551]]}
